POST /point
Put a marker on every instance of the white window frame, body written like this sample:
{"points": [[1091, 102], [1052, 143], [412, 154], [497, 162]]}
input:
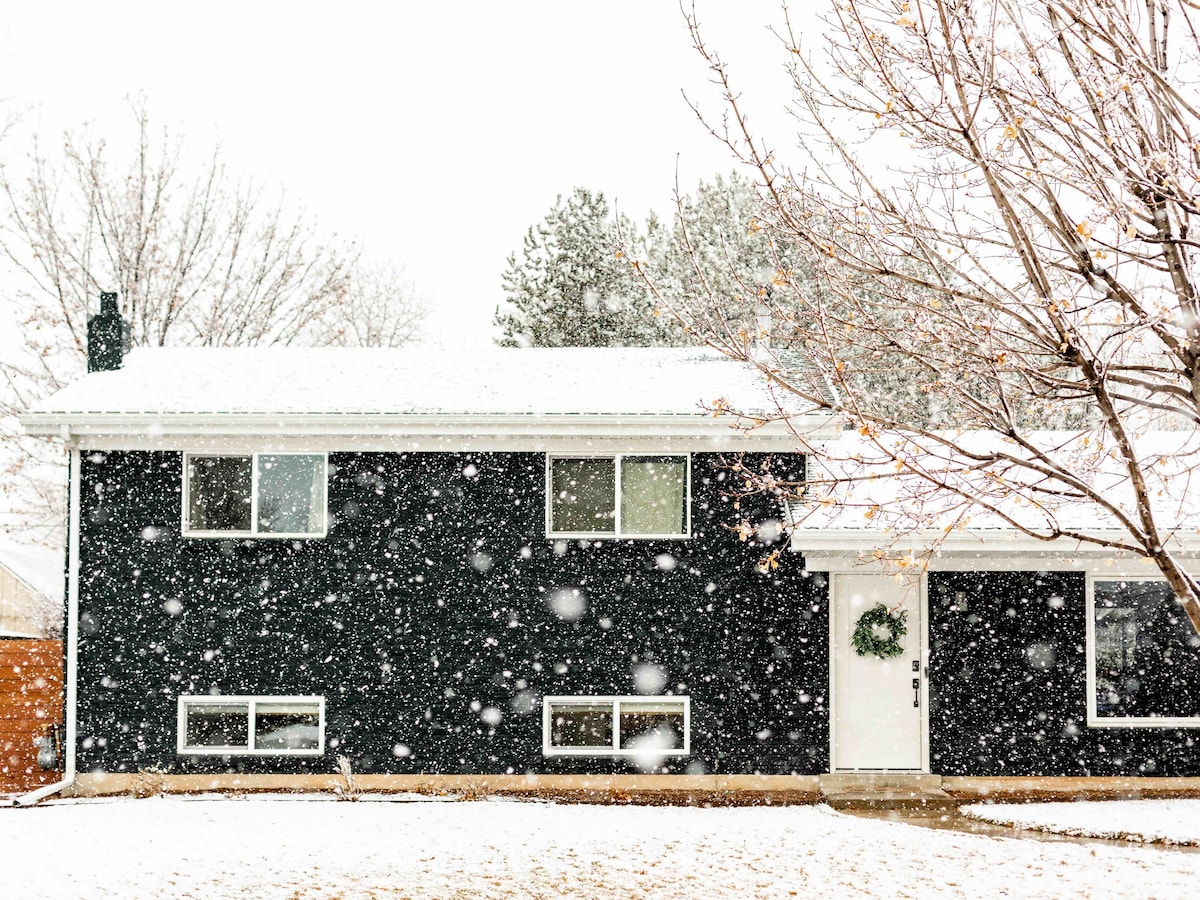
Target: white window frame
{"points": [[186, 531], [250, 701], [616, 702], [618, 535], [1094, 720]]}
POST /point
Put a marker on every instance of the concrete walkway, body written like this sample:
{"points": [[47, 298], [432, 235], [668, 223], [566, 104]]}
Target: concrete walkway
{"points": [[952, 820]]}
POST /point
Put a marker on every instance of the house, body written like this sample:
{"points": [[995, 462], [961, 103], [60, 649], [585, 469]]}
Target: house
{"points": [[31, 590], [1023, 657], [537, 565], [511, 562]]}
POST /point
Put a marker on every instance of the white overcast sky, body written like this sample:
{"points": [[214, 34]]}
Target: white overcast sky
{"points": [[434, 132]]}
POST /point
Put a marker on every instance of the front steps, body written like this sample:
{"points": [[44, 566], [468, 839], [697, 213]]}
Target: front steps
{"points": [[870, 790]]}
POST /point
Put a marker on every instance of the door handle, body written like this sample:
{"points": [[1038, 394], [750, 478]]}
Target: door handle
{"points": [[916, 692]]}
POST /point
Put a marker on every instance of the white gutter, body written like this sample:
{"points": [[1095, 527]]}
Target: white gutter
{"points": [[65, 423], [832, 540], [301, 433], [72, 670]]}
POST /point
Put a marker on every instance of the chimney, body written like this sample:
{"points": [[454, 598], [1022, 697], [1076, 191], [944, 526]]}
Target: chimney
{"points": [[107, 336]]}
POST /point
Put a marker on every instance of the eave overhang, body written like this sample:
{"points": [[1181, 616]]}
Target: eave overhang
{"points": [[410, 431], [996, 549]]}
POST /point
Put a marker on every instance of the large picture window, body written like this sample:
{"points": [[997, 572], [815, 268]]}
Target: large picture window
{"points": [[251, 726], [1143, 656], [260, 494], [618, 496], [616, 726]]}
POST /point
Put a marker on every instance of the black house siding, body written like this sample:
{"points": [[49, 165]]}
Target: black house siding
{"points": [[1008, 685], [426, 606]]}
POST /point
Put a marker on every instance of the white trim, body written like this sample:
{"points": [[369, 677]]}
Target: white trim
{"points": [[617, 535], [250, 701], [924, 673], [1110, 564], [568, 443], [254, 532], [831, 647], [923, 657], [972, 544], [1095, 720], [346, 431], [74, 502], [617, 702]]}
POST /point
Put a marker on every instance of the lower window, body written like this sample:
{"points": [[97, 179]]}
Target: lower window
{"points": [[1145, 656], [616, 726], [248, 726]]}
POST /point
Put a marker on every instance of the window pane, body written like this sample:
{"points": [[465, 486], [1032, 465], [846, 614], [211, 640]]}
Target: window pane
{"points": [[581, 725], [218, 725], [287, 726], [653, 491], [584, 495], [1147, 656], [219, 493], [291, 494], [652, 726]]}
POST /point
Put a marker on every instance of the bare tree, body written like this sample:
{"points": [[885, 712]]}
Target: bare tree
{"points": [[999, 199], [197, 255], [382, 308], [203, 259]]}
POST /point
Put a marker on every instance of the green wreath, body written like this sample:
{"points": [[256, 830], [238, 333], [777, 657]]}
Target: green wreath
{"points": [[866, 642]]}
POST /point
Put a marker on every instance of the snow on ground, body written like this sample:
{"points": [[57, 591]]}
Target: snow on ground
{"points": [[286, 848], [1165, 821]]}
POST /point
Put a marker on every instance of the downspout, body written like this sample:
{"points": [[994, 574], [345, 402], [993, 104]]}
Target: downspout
{"points": [[72, 646]]}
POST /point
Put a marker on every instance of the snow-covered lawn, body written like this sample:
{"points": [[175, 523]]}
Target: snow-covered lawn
{"points": [[292, 848], [1166, 821]]}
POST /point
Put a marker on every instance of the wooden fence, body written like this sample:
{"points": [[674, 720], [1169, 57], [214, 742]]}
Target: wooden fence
{"points": [[31, 686]]}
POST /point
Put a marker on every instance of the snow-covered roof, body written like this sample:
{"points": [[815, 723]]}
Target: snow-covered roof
{"points": [[556, 381], [173, 386], [39, 568], [859, 497]]}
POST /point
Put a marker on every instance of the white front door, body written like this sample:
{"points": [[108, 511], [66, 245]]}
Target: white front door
{"points": [[878, 704]]}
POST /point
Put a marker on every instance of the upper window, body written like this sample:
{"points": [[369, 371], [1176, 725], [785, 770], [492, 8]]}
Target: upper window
{"points": [[263, 494], [1144, 657], [251, 726], [616, 726], [618, 496]]}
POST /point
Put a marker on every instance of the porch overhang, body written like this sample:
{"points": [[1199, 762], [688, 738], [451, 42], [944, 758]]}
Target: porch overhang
{"points": [[980, 550]]}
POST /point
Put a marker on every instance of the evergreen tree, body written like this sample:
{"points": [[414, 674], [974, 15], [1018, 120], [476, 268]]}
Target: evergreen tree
{"points": [[717, 248], [715, 274], [717, 243], [572, 287]]}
